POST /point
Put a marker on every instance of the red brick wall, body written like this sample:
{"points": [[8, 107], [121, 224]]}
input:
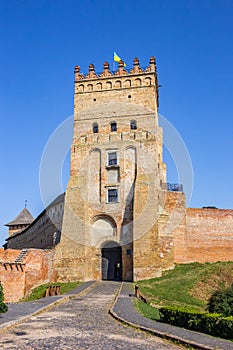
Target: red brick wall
{"points": [[209, 236], [13, 281], [38, 268], [8, 255], [172, 229], [18, 278]]}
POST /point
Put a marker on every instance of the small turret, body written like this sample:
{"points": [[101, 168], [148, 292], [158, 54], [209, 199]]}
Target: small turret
{"points": [[23, 220]]}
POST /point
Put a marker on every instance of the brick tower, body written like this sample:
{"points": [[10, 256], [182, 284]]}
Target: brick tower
{"points": [[114, 195]]}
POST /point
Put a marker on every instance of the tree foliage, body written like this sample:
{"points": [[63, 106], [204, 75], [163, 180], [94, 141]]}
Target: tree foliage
{"points": [[221, 302], [3, 306]]}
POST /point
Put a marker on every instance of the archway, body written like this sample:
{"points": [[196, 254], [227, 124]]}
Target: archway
{"points": [[102, 226], [111, 261]]}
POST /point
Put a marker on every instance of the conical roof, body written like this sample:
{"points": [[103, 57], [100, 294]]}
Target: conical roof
{"points": [[24, 218]]}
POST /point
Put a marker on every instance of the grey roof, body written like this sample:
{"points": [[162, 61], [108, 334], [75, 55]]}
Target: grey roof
{"points": [[24, 218], [57, 200]]}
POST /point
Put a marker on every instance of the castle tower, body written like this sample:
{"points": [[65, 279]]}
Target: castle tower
{"points": [[23, 220], [110, 225]]}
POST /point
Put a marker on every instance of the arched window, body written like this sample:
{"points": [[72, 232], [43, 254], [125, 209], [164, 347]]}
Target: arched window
{"points": [[95, 128], [113, 126], [133, 125]]}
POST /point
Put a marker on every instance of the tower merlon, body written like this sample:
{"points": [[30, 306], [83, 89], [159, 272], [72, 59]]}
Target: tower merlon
{"points": [[122, 78], [121, 71]]}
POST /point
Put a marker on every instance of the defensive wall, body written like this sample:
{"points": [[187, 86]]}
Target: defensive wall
{"points": [[200, 235], [22, 270], [44, 232], [117, 193], [208, 236]]}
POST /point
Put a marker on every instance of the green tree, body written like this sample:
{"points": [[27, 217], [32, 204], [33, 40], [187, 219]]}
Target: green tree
{"points": [[3, 306]]}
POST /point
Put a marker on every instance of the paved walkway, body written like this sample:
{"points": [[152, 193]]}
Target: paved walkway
{"points": [[81, 323], [124, 310], [80, 320], [19, 312]]}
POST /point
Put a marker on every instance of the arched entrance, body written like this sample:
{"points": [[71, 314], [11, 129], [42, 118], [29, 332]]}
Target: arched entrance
{"points": [[111, 261]]}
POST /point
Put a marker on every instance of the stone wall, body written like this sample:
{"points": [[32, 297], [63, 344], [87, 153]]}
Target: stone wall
{"points": [[20, 271], [150, 224], [172, 227], [44, 232], [90, 218]]}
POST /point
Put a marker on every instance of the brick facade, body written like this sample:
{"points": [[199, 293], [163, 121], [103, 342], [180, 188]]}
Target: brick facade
{"points": [[120, 220], [208, 236], [122, 106], [22, 271]]}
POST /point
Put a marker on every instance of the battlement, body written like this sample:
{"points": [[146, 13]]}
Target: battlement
{"points": [[121, 71], [121, 78]]}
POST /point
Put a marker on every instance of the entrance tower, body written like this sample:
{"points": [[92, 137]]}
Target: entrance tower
{"points": [[116, 177]]}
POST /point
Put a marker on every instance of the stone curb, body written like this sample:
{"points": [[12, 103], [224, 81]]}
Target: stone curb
{"points": [[158, 333], [61, 300]]}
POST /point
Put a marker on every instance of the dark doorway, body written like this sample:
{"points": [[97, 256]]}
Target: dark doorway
{"points": [[111, 262]]}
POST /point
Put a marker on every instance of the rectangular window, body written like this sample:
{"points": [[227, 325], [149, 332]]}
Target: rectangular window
{"points": [[112, 195], [112, 158], [133, 125], [113, 126]]}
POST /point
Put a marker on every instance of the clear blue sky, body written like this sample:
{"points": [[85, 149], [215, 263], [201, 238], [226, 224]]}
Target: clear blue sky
{"points": [[42, 40]]}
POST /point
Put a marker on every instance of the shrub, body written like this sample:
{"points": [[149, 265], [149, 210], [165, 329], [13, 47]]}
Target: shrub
{"points": [[3, 306], [213, 324], [221, 301]]}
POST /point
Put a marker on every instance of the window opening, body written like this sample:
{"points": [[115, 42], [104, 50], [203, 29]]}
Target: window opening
{"points": [[113, 126], [95, 128], [112, 195], [112, 158], [133, 125]]}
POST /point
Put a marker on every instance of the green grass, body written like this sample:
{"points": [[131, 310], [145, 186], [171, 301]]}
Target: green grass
{"points": [[188, 285], [147, 310], [38, 292]]}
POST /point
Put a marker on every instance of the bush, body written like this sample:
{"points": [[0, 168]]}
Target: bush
{"points": [[213, 324], [3, 306], [221, 301]]}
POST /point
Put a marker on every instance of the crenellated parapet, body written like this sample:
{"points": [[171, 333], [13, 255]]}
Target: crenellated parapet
{"points": [[121, 71], [121, 78]]}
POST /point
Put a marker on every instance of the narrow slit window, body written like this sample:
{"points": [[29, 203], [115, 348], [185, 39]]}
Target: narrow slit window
{"points": [[95, 127], [133, 125], [113, 126]]}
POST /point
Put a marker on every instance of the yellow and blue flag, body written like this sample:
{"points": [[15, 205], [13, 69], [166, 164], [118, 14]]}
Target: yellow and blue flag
{"points": [[117, 58]]}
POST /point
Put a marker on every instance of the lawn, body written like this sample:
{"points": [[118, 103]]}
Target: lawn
{"points": [[188, 285], [38, 292]]}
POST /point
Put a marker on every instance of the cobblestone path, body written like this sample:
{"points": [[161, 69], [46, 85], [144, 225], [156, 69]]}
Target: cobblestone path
{"points": [[81, 323]]}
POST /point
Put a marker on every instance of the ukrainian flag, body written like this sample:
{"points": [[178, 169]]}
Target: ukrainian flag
{"points": [[117, 58]]}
